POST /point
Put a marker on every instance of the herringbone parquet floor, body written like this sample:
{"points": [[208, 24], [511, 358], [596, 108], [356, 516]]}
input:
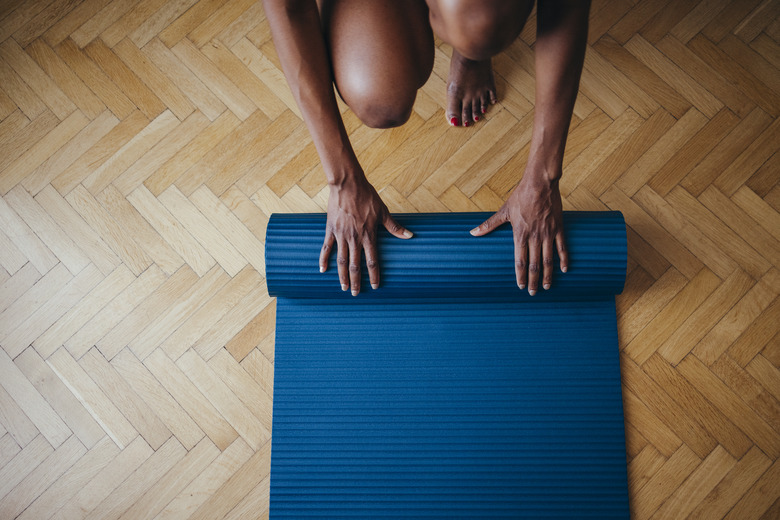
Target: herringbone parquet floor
{"points": [[143, 145]]}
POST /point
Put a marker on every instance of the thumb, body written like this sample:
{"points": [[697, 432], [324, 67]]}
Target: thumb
{"points": [[489, 225], [396, 229]]}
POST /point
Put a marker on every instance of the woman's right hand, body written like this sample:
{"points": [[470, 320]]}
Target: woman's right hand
{"points": [[355, 211]]}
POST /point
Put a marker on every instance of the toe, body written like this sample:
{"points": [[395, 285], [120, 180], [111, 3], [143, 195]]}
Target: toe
{"points": [[454, 112], [467, 120]]}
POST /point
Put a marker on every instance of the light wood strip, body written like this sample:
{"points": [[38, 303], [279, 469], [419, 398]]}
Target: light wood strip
{"points": [[191, 399], [213, 310], [36, 79], [128, 217], [217, 392], [82, 234], [17, 285], [728, 329], [59, 161], [105, 148], [135, 409], [192, 87], [43, 476], [71, 482], [78, 315], [151, 391], [171, 230], [208, 482], [114, 312], [116, 237], [93, 398], [723, 497], [178, 313], [163, 151], [57, 304], [131, 152], [15, 422], [238, 486], [34, 299], [148, 311], [60, 398], [203, 230], [179, 476], [47, 229], [730, 404], [137, 484], [106, 481], [18, 170], [105, 89]]}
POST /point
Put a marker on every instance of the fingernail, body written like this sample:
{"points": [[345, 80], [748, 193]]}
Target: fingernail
{"points": [[454, 121], [344, 287], [322, 269], [408, 234], [476, 118], [522, 287], [474, 231], [375, 286], [564, 269], [531, 292], [546, 286], [354, 292]]}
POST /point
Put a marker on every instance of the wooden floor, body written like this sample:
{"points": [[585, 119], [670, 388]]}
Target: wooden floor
{"points": [[143, 145]]}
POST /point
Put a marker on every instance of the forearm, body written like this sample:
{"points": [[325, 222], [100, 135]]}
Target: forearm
{"points": [[300, 44], [562, 29]]}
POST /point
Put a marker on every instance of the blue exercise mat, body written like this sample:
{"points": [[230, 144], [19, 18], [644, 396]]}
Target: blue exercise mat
{"points": [[447, 392]]}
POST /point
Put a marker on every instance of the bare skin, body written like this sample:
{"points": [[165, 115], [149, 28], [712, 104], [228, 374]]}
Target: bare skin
{"points": [[378, 54]]}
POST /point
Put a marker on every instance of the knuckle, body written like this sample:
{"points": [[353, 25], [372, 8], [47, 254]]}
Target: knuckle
{"points": [[372, 264], [341, 260], [325, 247], [548, 261], [533, 267], [520, 264], [354, 268]]}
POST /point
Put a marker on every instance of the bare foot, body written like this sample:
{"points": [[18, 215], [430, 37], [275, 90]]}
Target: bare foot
{"points": [[470, 90]]}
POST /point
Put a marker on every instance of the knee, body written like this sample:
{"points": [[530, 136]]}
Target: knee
{"points": [[379, 107], [479, 30]]}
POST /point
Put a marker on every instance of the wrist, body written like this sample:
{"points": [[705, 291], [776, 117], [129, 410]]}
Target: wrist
{"points": [[543, 171]]}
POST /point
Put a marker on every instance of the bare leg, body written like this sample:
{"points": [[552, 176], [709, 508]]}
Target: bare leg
{"points": [[381, 53], [477, 30]]}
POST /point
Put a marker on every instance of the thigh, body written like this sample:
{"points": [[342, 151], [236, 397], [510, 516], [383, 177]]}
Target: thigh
{"points": [[379, 48]]}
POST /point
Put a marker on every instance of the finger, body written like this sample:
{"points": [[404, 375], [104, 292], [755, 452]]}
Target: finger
{"points": [[521, 261], [354, 268], [563, 254], [533, 265], [372, 262], [489, 225], [327, 247], [547, 263], [342, 261], [396, 229]]}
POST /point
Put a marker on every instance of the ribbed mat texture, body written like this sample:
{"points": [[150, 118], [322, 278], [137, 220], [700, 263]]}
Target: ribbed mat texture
{"points": [[447, 392]]}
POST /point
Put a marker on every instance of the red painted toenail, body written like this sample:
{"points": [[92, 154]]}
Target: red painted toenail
{"points": [[465, 123], [454, 121], [484, 110], [476, 118]]}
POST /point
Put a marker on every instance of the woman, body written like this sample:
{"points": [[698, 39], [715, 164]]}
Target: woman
{"points": [[378, 53]]}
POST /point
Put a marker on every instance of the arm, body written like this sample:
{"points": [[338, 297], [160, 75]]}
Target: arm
{"points": [[534, 207], [354, 207]]}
